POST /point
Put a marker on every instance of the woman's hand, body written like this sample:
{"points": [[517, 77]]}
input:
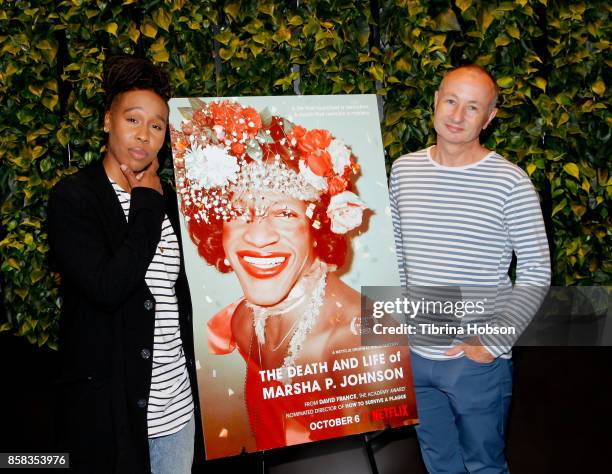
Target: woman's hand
{"points": [[145, 179]]}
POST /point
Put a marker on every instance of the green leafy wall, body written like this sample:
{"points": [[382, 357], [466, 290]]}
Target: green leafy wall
{"points": [[551, 61]]}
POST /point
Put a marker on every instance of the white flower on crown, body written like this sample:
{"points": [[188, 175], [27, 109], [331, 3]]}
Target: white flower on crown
{"points": [[345, 211], [210, 166], [340, 155], [316, 181], [219, 132]]}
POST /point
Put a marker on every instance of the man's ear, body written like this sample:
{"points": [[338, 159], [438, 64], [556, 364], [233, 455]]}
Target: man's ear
{"points": [[491, 117]]}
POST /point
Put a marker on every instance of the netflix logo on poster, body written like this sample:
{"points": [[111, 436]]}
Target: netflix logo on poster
{"points": [[389, 412]]}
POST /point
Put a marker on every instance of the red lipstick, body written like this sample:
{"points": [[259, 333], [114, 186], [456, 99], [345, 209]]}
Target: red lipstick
{"points": [[263, 264]]}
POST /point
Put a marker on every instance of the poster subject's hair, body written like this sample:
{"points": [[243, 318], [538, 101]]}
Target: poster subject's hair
{"points": [[330, 247]]}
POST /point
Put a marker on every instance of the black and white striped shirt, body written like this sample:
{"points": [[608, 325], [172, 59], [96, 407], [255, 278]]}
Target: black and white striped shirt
{"points": [[458, 227], [170, 400]]}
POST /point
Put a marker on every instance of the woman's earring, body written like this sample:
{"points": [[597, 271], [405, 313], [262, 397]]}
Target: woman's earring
{"points": [[226, 262]]}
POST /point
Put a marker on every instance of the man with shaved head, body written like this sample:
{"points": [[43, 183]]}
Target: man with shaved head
{"points": [[460, 211]]}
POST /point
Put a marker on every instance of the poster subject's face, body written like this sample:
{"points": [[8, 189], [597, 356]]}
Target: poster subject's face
{"points": [[269, 246]]}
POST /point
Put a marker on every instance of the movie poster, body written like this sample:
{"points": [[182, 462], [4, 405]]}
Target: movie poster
{"points": [[285, 215]]}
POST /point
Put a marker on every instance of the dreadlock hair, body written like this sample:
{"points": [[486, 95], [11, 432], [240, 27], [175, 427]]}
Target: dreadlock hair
{"points": [[125, 73]]}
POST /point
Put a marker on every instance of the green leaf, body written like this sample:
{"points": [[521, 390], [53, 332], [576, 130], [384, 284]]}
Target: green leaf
{"points": [[295, 20], [540, 83], [267, 8], [62, 136], [36, 90], [37, 151], [602, 177], [111, 28], [162, 18], [578, 209], [42, 339], [225, 54], [463, 5], [599, 87], [224, 37], [50, 101], [11, 69], [311, 27], [255, 49], [133, 33], [45, 165], [394, 117], [513, 31], [376, 71], [232, 10], [161, 56], [260, 38], [572, 169], [447, 21], [402, 65], [502, 40], [36, 275], [283, 34], [149, 29], [22, 292], [505, 82], [48, 49], [559, 207], [586, 186], [531, 168]]}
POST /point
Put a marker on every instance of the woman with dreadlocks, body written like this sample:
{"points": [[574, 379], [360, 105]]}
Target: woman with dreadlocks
{"points": [[127, 384]]}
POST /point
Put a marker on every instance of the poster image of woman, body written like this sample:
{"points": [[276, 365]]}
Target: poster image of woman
{"points": [[275, 203]]}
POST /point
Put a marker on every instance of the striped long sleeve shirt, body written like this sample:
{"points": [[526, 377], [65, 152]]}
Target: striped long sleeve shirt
{"points": [[459, 226], [170, 403]]}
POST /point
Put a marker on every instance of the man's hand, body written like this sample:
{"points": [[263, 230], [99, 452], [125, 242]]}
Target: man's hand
{"points": [[473, 350], [145, 179]]}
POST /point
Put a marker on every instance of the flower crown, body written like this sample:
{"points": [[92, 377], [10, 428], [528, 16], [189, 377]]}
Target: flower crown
{"points": [[224, 149]]}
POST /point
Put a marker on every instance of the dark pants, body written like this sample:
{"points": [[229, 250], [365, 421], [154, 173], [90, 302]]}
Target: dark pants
{"points": [[463, 409]]}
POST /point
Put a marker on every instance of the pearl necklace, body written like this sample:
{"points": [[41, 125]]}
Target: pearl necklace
{"points": [[314, 282]]}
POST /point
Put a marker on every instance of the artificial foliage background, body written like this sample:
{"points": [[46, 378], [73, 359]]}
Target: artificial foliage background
{"points": [[551, 61]]}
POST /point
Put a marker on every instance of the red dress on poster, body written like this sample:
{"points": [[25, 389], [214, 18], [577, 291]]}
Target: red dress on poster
{"points": [[268, 417]]}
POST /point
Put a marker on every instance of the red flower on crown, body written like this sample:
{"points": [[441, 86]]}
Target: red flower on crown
{"points": [[234, 119], [311, 146]]}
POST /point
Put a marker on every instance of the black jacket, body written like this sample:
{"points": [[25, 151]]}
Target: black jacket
{"points": [[107, 321]]}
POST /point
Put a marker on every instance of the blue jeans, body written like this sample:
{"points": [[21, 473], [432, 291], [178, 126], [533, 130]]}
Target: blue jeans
{"points": [[463, 410], [173, 454]]}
